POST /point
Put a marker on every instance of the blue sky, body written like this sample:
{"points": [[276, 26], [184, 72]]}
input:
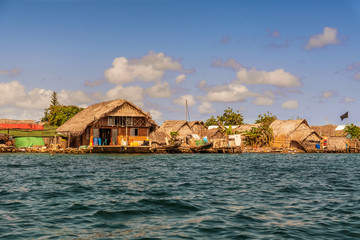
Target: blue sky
{"points": [[292, 58]]}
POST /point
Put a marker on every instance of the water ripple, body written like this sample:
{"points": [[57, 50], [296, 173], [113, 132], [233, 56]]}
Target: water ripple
{"points": [[243, 196]]}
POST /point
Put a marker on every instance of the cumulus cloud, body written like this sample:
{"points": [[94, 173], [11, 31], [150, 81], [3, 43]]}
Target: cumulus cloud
{"points": [[156, 115], [267, 99], [149, 68], [356, 68], [181, 78], [206, 108], [11, 73], [225, 40], [230, 63], [189, 98], [328, 94], [348, 100], [134, 94], [233, 92], [290, 104], [159, 90], [278, 77], [202, 85], [327, 37]]}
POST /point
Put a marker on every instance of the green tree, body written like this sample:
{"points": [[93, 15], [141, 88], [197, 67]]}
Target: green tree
{"points": [[229, 118], [54, 99], [266, 119], [353, 130], [58, 115]]}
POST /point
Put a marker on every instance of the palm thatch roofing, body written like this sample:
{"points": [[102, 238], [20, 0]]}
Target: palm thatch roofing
{"points": [[328, 130], [336, 143], [78, 123], [246, 127], [12, 121], [215, 133], [158, 137], [193, 123], [3, 137], [173, 126], [298, 130]]}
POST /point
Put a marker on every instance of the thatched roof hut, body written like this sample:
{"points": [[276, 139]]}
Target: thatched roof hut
{"points": [[199, 128], [215, 133], [294, 134], [179, 126], [336, 143], [12, 121], [3, 138], [328, 130], [158, 138], [90, 115]]}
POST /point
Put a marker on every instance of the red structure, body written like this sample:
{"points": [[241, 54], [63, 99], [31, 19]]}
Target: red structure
{"points": [[21, 126]]}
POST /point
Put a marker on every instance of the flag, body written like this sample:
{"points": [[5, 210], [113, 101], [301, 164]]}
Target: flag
{"points": [[345, 115]]}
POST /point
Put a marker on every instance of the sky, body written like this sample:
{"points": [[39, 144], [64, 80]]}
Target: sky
{"points": [[295, 59]]}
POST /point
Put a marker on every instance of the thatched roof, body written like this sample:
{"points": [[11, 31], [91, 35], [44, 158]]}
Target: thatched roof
{"points": [[336, 143], [215, 133], [12, 121], [158, 137], [246, 127], [3, 137], [328, 130], [77, 124], [298, 130], [193, 123], [173, 126]]}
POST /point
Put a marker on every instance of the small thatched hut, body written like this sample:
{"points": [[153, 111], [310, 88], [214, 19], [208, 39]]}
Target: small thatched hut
{"points": [[199, 128], [158, 138], [181, 127], [3, 138], [328, 130], [294, 134], [117, 122]]}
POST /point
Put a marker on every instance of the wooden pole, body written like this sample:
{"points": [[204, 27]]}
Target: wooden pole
{"points": [[186, 111]]}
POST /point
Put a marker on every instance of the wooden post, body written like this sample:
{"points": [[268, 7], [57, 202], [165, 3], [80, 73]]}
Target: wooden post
{"points": [[69, 138]]}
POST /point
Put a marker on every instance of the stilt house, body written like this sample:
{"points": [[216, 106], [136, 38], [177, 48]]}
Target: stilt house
{"points": [[117, 122], [294, 134]]}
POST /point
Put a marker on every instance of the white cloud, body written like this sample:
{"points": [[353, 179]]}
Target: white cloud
{"points": [[233, 92], [156, 115], [355, 67], [327, 37], [202, 85], [348, 100], [149, 68], [181, 78], [263, 101], [278, 77], [206, 108], [290, 104], [12, 72], [230, 63], [189, 98], [159, 90], [134, 94], [328, 94]]}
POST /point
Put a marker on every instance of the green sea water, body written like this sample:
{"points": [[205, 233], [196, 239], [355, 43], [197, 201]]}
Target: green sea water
{"points": [[210, 196]]}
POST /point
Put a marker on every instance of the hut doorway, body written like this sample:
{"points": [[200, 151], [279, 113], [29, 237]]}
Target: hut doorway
{"points": [[296, 144], [105, 135]]}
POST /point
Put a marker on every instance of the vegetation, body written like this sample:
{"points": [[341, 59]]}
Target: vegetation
{"points": [[262, 135], [58, 114], [174, 134], [229, 118], [49, 131], [353, 130]]}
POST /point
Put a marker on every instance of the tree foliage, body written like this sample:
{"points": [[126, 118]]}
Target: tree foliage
{"points": [[262, 135], [58, 115], [229, 118], [353, 130]]}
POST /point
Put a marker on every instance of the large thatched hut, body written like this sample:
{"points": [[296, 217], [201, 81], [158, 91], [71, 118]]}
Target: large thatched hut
{"points": [[117, 122], [294, 134]]}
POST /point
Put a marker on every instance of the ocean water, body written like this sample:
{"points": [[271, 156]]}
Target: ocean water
{"points": [[240, 196]]}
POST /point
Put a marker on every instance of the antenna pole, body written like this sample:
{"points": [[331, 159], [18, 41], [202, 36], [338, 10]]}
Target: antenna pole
{"points": [[186, 111]]}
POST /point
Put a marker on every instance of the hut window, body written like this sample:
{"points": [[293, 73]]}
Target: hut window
{"points": [[111, 121], [88, 133], [95, 132], [129, 121], [134, 132]]}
